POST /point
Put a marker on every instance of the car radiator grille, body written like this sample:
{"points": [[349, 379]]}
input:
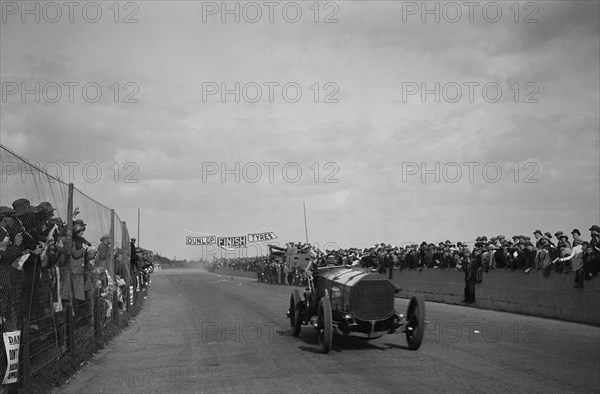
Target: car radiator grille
{"points": [[372, 300]]}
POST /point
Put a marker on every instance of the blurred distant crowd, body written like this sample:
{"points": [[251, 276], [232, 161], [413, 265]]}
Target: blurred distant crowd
{"points": [[545, 252]]}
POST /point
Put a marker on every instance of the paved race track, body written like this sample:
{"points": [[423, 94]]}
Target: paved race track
{"points": [[202, 332]]}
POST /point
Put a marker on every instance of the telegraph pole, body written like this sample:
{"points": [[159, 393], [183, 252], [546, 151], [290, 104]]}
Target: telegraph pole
{"points": [[138, 237], [305, 226]]}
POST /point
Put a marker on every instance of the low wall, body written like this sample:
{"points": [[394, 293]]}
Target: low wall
{"points": [[501, 290], [531, 294]]}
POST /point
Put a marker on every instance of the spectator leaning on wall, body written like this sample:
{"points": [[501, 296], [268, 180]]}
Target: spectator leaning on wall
{"points": [[592, 253], [576, 259]]}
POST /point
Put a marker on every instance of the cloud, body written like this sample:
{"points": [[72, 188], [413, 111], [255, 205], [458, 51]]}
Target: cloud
{"points": [[364, 141]]}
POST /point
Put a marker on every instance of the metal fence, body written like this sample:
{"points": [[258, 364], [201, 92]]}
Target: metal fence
{"points": [[57, 291]]}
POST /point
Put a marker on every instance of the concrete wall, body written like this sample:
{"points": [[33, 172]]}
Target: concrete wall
{"points": [[502, 290]]}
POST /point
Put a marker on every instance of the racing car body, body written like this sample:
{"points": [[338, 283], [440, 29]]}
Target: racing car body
{"points": [[353, 301]]}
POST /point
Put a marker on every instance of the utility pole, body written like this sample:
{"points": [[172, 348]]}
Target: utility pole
{"points": [[138, 237], [305, 226]]}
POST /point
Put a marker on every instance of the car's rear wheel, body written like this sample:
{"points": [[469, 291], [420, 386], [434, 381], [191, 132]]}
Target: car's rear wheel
{"points": [[295, 313], [415, 322], [325, 325]]}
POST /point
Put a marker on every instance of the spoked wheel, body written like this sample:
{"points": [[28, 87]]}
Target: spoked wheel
{"points": [[295, 313], [325, 325], [415, 322]]}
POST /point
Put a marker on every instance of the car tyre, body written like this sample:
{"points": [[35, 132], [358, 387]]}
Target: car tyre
{"points": [[295, 313], [325, 325], [415, 322]]}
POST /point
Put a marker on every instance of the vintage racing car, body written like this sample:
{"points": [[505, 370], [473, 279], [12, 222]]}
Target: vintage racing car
{"points": [[353, 301]]}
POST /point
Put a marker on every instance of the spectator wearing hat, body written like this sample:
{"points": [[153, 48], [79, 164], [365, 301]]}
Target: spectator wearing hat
{"points": [[531, 249], [447, 261], [592, 253], [103, 254], [493, 251], [576, 237], [34, 299], [470, 280], [78, 261], [563, 240], [10, 249], [564, 249], [389, 262], [538, 247], [486, 258], [500, 255], [548, 235], [410, 260], [576, 260], [538, 235], [522, 257], [542, 257], [134, 260], [477, 263], [457, 261], [381, 259]]}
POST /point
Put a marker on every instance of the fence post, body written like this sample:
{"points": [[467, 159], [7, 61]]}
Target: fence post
{"points": [[26, 355], [70, 327], [98, 310], [68, 242], [116, 307], [111, 250], [128, 299], [93, 311]]}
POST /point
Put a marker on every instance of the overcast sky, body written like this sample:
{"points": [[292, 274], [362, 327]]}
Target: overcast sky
{"points": [[509, 124]]}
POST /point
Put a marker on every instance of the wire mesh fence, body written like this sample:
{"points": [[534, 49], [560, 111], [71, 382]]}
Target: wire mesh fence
{"points": [[65, 273]]}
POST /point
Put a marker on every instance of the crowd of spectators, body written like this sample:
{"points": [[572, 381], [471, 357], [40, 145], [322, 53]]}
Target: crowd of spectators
{"points": [[40, 272], [543, 252]]}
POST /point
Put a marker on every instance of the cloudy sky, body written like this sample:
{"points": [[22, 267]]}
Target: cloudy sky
{"points": [[394, 121]]}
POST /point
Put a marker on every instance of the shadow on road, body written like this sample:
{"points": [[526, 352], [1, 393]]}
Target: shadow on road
{"points": [[340, 343]]}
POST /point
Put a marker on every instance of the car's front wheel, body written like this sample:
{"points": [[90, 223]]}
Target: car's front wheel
{"points": [[325, 324], [415, 322]]}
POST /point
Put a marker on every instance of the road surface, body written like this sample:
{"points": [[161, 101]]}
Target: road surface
{"points": [[203, 332]]}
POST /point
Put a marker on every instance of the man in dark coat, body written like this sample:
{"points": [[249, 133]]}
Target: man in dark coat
{"points": [[470, 278]]}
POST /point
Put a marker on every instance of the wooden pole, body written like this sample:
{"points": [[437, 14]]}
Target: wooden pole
{"points": [[305, 225], [111, 251]]}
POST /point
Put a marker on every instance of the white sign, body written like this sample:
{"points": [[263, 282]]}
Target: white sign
{"points": [[210, 240], [234, 242], [12, 340], [261, 237]]}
